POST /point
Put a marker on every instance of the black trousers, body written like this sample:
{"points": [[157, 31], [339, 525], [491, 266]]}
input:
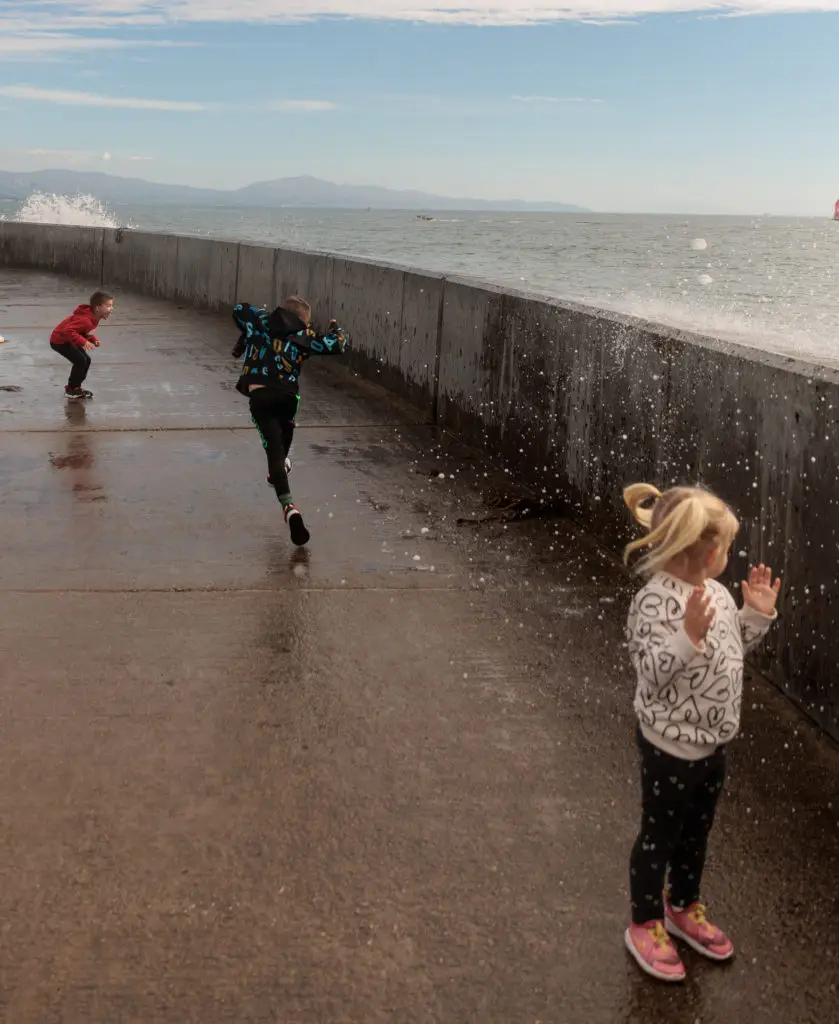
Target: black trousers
{"points": [[273, 413], [679, 802], [80, 360]]}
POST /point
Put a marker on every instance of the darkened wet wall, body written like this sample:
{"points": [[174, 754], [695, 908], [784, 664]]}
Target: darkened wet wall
{"points": [[576, 401]]}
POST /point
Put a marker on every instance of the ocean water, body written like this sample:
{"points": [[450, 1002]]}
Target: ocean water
{"points": [[769, 282]]}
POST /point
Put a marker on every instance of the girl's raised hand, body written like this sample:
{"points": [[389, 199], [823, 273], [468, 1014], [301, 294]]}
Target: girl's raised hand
{"points": [[759, 591], [698, 615]]}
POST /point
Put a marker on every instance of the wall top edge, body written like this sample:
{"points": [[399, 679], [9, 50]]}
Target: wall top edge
{"points": [[816, 372]]}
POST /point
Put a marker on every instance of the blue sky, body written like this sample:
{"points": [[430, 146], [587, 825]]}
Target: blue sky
{"points": [[629, 105]]}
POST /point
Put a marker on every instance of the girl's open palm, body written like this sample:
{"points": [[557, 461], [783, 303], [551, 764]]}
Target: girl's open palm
{"points": [[699, 615], [759, 592]]}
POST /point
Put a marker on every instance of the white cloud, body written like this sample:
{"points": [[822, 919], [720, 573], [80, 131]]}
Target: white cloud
{"points": [[27, 44], [80, 15], [301, 105], [555, 99], [69, 97], [47, 29], [77, 157], [67, 156], [89, 99]]}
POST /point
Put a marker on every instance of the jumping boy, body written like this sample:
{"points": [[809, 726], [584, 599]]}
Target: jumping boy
{"points": [[275, 347], [74, 339]]}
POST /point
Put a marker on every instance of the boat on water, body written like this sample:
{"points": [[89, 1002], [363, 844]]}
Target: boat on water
{"points": [[836, 210]]}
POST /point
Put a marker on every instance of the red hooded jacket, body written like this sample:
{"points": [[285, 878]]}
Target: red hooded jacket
{"points": [[77, 329]]}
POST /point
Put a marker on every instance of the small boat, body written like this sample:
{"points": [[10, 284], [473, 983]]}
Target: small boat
{"points": [[836, 210], [424, 216]]}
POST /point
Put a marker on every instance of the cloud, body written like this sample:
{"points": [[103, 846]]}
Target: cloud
{"points": [[26, 44], [83, 15], [555, 99], [91, 99], [71, 98], [44, 30], [72, 156], [77, 157], [301, 105]]}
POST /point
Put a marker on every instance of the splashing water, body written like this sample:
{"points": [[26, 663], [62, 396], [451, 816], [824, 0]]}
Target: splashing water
{"points": [[81, 210], [768, 282]]}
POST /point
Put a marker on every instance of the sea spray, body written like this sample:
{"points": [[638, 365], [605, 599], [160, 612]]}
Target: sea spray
{"points": [[80, 210]]}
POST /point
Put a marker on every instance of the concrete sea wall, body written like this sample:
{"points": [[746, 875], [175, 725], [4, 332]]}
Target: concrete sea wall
{"points": [[579, 401]]}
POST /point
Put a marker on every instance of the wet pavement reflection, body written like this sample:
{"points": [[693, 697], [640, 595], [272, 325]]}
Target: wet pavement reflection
{"points": [[387, 777]]}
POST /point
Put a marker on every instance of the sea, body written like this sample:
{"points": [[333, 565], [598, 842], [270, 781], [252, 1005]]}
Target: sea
{"points": [[769, 282]]}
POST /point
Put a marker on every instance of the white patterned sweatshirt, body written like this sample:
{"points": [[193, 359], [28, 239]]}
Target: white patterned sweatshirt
{"points": [[688, 698]]}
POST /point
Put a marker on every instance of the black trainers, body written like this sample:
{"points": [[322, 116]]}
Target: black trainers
{"points": [[296, 526], [76, 393]]}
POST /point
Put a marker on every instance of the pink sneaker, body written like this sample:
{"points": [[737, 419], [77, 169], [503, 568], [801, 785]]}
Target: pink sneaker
{"points": [[656, 955], [693, 927]]}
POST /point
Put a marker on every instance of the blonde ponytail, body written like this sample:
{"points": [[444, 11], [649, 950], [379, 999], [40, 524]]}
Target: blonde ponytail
{"points": [[677, 522], [634, 496]]}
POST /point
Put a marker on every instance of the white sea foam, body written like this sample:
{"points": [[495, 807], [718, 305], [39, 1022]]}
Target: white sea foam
{"points": [[81, 210]]}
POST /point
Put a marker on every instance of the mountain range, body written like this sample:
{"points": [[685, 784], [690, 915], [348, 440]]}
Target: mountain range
{"points": [[290, 192]]}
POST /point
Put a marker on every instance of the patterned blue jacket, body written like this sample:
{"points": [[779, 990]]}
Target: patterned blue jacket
{"points": [[277, 344]]}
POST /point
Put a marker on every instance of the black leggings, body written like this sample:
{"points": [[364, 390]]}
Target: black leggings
{"points": [[80, 360], [679, 801], [273, 413]]}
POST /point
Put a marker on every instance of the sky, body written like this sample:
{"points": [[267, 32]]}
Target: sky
{"points": [[622, 105]]}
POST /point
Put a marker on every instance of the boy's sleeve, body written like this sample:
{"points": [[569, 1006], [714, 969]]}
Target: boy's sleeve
{"points": [[333, 343], [76, 330], [250, 320]]}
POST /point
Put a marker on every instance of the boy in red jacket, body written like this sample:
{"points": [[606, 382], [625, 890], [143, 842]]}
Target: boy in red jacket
{"points": [[74, 338]]}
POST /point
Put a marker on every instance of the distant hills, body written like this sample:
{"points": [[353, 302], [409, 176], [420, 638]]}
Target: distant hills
{"points": [[291, 192]]}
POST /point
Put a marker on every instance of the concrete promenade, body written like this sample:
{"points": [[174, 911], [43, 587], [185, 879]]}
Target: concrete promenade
{"points": [[388, 778]]}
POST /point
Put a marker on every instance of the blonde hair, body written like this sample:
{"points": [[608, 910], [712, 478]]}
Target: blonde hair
{"points": [[683, 520]]}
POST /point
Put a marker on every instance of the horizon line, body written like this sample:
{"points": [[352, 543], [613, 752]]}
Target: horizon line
{"points": [[536, 205]]}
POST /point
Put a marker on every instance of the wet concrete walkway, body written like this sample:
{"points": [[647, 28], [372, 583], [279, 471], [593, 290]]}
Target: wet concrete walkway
{"points": [[391, 778]]}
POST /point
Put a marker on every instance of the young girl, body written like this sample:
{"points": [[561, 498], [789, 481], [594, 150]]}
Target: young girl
{"points": [[687, 640]]}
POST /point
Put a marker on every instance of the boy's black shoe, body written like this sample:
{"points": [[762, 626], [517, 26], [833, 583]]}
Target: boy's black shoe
{"points": [[296, 526], [76, 393]]}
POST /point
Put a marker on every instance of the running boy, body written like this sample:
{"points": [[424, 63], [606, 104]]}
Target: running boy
{"points": [[74, 339], [687, 639], [275, 347]]}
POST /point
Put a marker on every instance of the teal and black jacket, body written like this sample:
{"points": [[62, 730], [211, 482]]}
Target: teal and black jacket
{"points": [[275, 346]]}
